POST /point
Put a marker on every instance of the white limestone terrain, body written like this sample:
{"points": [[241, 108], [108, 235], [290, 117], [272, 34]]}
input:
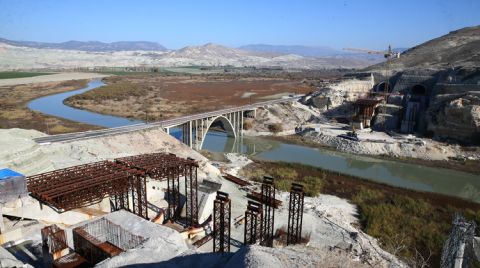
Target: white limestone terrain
{"points": [[21, 57]]}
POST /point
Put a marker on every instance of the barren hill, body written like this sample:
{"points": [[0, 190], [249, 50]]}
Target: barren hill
{"points": [[457, 48], [24, 57]]}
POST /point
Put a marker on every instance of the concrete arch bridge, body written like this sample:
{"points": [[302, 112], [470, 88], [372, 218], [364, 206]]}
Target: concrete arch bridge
{"points": [[194, 127]]}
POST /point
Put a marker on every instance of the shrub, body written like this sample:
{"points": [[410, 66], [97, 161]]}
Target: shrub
{"points": [[312, 185], [247, 125], [275, 128]]}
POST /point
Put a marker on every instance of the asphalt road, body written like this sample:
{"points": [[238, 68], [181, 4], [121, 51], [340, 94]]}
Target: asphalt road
{"points": [[161, 124]]}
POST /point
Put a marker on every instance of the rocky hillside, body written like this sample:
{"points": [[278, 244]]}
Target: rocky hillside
{"points": [[457, 48]]}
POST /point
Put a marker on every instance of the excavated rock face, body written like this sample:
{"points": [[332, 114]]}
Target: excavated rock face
{"points": [[458, 118], [335, 98]]}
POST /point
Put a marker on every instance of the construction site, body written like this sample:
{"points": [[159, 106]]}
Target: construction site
{"points": [[197, 214]]}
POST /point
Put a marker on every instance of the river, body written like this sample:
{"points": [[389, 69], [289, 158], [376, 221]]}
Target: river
{"points": [[416, 177]]}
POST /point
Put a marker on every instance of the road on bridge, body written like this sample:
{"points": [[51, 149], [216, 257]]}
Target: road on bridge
{"points": [[159, 124]]}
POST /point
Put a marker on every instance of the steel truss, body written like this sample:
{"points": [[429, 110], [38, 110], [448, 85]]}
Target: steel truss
{"points": [[191, 192], [253, 223], [295, 214], [268, 200], [221, 222], [162, 166], [84, 185]]}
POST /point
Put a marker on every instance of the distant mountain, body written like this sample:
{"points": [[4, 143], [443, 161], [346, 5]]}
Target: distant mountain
{"points": [[457, 48], [306, 51], [15, 56], [93, 46]]}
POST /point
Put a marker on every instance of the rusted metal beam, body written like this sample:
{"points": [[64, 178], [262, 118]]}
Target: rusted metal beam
{"points": [[221, 222], [295, 214], [253, 223], [162, 166], [236, 180], [268, 197]]}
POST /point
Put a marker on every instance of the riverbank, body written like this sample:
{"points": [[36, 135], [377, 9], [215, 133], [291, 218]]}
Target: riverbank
{"points": [[405, 222], [14, 112], [319, 132], [465, 165]]}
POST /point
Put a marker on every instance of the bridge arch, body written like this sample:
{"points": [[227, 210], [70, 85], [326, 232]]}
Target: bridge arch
{"points": [[227, 124]]}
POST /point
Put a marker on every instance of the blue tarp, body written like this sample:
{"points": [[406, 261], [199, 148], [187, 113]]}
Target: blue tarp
{"points": [[6, 173]]}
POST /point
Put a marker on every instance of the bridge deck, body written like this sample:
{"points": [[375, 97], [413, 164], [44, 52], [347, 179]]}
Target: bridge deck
{"points": [[163, 124]]}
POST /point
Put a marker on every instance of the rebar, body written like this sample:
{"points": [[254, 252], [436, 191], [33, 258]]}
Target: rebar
{"points": [[102, 239]]}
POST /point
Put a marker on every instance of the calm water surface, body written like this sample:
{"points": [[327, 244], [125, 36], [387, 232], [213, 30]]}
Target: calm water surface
{"points": [[53, 105]]}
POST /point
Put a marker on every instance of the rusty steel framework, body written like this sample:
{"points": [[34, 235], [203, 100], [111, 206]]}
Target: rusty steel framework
{"points": [[161, 166], [191, 192], [253, 223], [84, 185], [295, 214], [221, 222], [268, 200]]}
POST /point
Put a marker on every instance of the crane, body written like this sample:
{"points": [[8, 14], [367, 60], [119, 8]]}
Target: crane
{"points": [[388, 54]]}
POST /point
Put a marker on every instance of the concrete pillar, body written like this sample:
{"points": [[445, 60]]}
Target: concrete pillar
{"points": [[234, 124], [241, 125], [190, 134]]}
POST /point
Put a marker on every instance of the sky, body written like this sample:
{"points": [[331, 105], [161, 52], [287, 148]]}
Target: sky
{"points": [[352, 23]]}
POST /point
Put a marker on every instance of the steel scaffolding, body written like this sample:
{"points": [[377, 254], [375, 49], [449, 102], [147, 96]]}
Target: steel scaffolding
{"points": [[162, 166], [268, 200], [221, 223], [295, 214], [253, 223]]}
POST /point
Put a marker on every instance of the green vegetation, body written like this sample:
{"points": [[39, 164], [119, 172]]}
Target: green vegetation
{"points": [[7, 75], [412, 225], [286, 175], [160, 71]]}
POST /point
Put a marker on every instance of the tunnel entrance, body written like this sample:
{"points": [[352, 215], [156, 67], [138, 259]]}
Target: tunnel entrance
{"points": [[383, 86], [418, 90]]}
